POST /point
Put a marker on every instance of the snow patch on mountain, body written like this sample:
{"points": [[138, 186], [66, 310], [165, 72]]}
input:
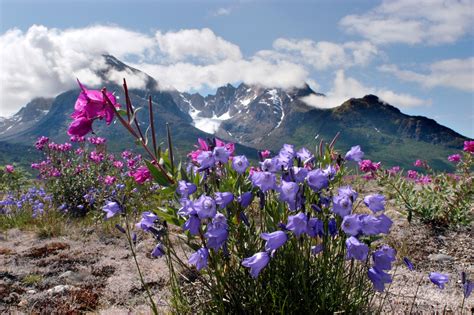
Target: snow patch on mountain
{"points": [[209, 125]]}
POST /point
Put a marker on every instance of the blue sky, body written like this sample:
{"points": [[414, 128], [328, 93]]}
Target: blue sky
{"points": [[416, 55]]}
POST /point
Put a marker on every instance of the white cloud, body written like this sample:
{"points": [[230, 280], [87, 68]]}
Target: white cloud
{"points": [[45, 62], [222, 11], [413, 22], [201, 44], [322, 55], [455, 73], [345, 88], [188, 76]]}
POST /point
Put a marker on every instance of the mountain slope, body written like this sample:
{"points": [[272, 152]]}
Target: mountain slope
{"points": [[253, 116]]}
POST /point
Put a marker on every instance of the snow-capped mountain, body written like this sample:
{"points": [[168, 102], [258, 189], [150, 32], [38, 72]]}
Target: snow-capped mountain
{"points": [[245, 113], [26, 117]]}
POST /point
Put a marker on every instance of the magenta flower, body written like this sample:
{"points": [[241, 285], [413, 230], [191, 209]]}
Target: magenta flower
{"points": [[9, 169], [265, 154], [469, 146], [368, 166], [91, 105], [455, 158], [109, 180], [419, 163], [141, 174], [256, 263], [394, 170], [425, 179], [40, 143], [80, 127], [411, 174]]}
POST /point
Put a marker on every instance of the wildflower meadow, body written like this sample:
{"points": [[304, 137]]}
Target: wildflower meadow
{"points": [[298, 231]]}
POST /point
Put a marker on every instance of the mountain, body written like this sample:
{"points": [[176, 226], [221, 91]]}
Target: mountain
{"points": [[28, 116], [254, 117], [55, 123]]}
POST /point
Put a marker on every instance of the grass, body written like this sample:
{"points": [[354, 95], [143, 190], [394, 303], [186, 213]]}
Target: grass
{"points": [[32, 279]]}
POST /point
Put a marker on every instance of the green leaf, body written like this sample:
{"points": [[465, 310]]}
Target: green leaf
{"points": [[122, 112], [158, 176]]}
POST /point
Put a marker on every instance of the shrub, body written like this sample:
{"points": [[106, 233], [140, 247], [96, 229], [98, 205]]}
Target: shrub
{"points": [[437, 198], [81, 175]]}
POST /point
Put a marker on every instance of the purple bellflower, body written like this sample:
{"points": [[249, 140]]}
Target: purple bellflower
{"points": [[256, 263]]}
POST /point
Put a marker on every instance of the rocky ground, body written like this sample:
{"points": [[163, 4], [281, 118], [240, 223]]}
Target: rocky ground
{"points": [[86, 271]]}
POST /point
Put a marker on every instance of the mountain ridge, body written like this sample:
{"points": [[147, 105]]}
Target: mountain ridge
{"points": [[260, 118]]}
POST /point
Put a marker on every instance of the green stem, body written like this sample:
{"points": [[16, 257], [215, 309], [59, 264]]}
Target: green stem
{"points": [[416, 293], [130, 243]]}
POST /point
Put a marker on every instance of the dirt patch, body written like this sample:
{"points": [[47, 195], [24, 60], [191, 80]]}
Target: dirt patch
{"points": [[46, 250], [77, 274]]}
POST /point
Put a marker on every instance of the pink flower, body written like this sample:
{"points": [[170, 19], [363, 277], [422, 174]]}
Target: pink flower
{"points": [[41, 142], [77, 139], [419, 163], [412, 174], [80, 127], [97, 140], [426, 179], [455, 158], [96, 157], [9, 169], [141, 174], [469, 146], [118, 164], [91, 105], [265, 154], [109, 180], [126, 155], [394, 170], [368, 166]]}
